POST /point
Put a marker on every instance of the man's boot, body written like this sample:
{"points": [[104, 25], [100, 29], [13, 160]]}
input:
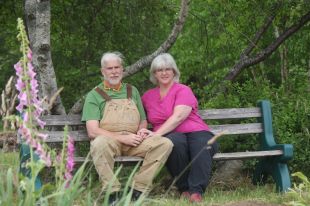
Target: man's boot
{"points": [[114, 198], [135, 195]]}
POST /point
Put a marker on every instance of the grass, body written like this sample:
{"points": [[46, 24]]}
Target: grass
{"points": [[8, 160], [214, 196], [219, 196]]}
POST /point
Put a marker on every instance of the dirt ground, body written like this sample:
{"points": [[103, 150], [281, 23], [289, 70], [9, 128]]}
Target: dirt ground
{"points": [[8, 141]]}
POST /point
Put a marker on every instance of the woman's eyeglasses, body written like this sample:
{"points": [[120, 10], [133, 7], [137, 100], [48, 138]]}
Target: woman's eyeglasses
{"points": [[164, 70]]}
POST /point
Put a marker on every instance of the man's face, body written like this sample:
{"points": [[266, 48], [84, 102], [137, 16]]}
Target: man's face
{"points": [[113, 72]]}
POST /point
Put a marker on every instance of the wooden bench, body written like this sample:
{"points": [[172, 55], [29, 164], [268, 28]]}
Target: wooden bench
{"points": [[272, 157]]}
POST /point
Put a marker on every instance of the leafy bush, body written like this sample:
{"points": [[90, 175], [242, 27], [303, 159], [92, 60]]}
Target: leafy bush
{"points": [[290, 112]]}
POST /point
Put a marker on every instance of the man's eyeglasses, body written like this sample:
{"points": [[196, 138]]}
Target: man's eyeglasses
{"points": [[111, 68]]}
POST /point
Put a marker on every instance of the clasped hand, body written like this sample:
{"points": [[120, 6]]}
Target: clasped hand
{"points": [[134, 140], [145, 133]]}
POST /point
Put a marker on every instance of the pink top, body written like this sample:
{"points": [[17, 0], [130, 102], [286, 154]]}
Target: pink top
{"points": [[158, 111]]}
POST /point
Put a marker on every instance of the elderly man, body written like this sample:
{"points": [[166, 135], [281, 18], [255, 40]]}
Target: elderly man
{"points": [[114, 115]]}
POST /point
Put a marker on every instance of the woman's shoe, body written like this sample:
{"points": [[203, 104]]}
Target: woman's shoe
{"points": [[185, 195], [195, 198]]}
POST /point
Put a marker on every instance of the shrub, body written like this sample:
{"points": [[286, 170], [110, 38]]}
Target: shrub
{"points": [[290, 110]]}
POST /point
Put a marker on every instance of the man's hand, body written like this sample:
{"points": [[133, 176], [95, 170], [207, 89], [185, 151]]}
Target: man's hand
{"points": [[145, 133], [130, 139]]}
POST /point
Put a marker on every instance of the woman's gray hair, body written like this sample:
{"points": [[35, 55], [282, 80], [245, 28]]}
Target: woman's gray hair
{"points": [[164, 61], [111, 55]]}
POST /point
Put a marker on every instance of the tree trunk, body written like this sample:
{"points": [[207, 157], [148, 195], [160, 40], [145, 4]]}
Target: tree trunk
{"points": [[309, 75], [38, 16], [283, 57]]}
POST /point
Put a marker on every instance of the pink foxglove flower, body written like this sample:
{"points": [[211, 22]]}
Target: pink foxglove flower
{"points": [[18, 68], [40, 122], [39, 149], [20, 107], [29, 106], [20, 85], [31, 73], [42, 136], [70, 159], [29, 55]]}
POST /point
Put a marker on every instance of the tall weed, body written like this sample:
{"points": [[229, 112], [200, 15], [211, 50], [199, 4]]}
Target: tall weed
{"points": [[300, 193]]}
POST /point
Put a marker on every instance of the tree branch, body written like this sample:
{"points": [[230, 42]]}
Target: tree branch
{"points": [[262, 55], [258, 35], [146, 60]]}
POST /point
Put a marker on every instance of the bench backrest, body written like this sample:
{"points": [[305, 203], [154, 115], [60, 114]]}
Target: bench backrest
{"points": [[262, 116]]}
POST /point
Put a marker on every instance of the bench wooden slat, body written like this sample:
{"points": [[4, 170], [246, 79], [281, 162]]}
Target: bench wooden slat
{"points": [[248, 128], [231, 113], [217, 156], [81, 135], [61, 120], [245, 155], [117, 159], [57, 136]]}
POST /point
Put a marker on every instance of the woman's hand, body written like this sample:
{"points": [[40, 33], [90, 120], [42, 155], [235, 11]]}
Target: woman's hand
{"points": [[130, 139], [180, 113], [145, 133]]}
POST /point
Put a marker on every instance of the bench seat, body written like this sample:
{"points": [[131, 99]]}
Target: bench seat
{"points": [[218, 156]]}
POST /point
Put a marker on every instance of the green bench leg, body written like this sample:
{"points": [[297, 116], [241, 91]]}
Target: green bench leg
{"points": [[24, 155], [278, 171]]}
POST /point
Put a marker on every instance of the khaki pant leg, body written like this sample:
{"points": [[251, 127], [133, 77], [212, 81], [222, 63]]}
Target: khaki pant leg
{"points": [[103, 150], [155, 151]]}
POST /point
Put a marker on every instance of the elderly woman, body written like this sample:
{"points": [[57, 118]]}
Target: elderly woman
{"points": [[172, 109]]}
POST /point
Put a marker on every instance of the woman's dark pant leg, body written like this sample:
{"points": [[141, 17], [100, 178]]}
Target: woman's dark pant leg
{"points": [[179, 159], [199, 175]]}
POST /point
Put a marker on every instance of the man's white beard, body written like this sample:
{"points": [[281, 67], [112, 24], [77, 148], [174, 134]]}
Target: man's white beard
{"points": [[113, 81]]}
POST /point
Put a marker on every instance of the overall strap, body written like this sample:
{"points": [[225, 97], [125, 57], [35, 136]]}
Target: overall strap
{"points": [[129, 91], [103, 94]]}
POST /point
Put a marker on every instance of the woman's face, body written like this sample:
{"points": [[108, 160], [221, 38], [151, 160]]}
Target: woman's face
{"points": [[164, 76]]}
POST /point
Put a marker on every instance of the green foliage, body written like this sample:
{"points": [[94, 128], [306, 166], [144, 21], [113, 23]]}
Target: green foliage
{"points": [[91, 191], [135, 28], [6, 189], [300, 193], [23, 192], [290, 112], [9, 49]]}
